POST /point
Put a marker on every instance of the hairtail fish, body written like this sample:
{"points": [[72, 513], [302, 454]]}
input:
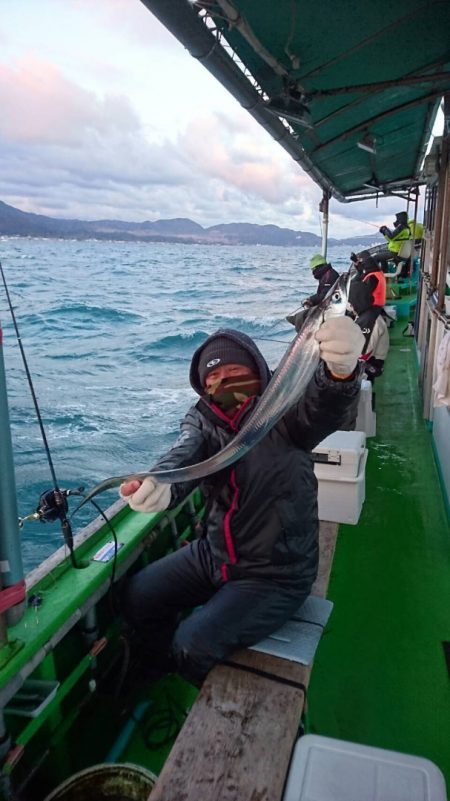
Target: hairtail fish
{"points": [[285, 388]]}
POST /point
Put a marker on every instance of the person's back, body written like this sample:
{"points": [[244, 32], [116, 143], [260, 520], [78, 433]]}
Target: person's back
{"points": [[416, 230], [373, 276]]}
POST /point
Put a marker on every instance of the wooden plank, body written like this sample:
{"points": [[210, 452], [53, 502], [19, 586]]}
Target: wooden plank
{"points": [[327, 544], [235, 744], [237, 741]]}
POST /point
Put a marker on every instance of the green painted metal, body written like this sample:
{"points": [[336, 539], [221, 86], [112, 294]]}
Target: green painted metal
{"points": [[8, 651], [362, 72], [344, 44], [380, 675], [35, 723], [65, 590]]}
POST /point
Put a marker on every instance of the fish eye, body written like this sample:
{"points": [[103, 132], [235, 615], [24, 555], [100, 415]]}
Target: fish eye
{"points": [[336, 296]]}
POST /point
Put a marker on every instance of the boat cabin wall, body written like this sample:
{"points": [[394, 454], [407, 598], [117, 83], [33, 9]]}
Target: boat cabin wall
{"points": [[432, 318]]}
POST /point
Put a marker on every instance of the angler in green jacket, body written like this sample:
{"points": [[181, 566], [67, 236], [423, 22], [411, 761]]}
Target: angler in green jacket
{"points": [[395, 239]]}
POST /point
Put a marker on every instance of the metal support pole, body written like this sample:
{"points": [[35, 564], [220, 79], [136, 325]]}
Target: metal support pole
{"points": [[323, 207], [11, 569], [439, 214], [441, 278]]}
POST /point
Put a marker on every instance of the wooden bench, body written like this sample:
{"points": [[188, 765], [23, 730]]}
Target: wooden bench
{"points": [[237, 740]]}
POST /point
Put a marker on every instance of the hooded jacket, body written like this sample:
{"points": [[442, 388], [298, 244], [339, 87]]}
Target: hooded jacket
{"points": [[326, 275], [262, 510], [400, 233], [374, 278]]}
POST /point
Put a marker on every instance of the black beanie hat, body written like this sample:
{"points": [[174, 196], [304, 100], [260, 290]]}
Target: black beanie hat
{"points": [[220, 351]]}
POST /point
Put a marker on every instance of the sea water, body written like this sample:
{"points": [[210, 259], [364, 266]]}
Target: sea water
{"points": [[108, 329]]}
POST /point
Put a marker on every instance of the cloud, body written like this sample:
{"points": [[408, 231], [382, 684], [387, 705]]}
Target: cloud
{"points": [[240, 158], [86, 147], [68, 151], [43, 107], [56, 135]]}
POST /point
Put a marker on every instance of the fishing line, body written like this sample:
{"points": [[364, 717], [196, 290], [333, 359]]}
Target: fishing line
{"points": [[59, 496], [283, 319], [363, 222], [116, 544], [268, 339]]}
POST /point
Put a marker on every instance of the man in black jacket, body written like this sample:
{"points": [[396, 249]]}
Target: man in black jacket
{"points": [[326, 275], [257, 560]]}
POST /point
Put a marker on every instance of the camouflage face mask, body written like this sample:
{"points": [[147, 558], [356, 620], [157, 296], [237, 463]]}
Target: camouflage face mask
{"points": [[230, 393]]}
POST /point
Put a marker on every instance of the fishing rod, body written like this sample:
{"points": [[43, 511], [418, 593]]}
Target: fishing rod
{"points": [[53, 503], [363, 222]]}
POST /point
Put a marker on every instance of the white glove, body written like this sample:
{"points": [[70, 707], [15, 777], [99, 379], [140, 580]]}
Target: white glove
{"points": [[341, 344], [150, 497]]}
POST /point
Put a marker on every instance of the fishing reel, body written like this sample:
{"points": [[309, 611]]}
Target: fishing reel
{"points": [[52, 505]]}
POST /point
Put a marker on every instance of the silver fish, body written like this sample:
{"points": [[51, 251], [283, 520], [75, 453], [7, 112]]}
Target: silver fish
{"points": [[285, 388]]}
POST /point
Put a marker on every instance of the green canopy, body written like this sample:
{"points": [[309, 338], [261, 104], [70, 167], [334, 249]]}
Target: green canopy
{"points": [[350, 89]]}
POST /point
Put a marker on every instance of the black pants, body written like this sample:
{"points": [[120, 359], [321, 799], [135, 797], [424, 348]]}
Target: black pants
{"points": [[234, 614], [373, 368]]}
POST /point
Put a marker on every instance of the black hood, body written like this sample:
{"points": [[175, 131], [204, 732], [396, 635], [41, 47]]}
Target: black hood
{"points": [[368, 265], [241, 339], [401, 218]]}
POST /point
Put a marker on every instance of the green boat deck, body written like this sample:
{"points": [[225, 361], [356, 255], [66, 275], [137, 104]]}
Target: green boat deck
{"points": [[380, 676]]}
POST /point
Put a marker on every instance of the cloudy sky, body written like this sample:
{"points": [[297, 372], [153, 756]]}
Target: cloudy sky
{"points": [[106, 115]]}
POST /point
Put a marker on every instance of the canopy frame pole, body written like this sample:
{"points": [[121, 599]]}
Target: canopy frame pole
{"points": [[324, 209]]}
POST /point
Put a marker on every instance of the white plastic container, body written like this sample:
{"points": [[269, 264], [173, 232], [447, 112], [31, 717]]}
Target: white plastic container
{"points": [[391, 311], [324, 769], [341, 475], [339, 455], [366, 420]]}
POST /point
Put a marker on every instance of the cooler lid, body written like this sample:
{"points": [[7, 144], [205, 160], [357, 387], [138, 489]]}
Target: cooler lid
{"points": [[325, 769]]}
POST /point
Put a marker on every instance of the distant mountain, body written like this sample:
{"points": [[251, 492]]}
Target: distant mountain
{"points": [[14, 222]]}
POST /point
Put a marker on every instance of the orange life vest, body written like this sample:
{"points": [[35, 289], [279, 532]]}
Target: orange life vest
{"points": [[379, 293]]}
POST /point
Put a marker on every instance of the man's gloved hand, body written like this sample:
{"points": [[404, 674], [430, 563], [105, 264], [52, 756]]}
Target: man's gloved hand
{"points": [[354, 258], [146, 496], [306, 303], [383, 229], [341, 343]]}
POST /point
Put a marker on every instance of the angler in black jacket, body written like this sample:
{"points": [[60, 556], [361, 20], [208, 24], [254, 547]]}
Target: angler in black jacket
{"points": [[326, 275], [257, 559]]}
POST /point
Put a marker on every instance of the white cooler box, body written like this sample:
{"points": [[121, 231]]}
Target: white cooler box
{"points": [[340, 468], [325, 769], [366, 420]]}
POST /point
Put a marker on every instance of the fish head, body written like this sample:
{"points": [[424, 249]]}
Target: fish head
{"points": [[335, 302]]}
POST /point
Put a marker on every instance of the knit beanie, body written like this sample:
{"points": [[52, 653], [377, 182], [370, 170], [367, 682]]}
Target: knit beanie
{"points": [[317, 261], [220, 351]]}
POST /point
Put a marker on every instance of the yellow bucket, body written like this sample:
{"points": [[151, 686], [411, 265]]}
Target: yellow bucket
{"points": [[105, 782]]}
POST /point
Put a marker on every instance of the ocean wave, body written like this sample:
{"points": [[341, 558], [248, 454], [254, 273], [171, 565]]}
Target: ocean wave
{"points": [[175, 342], [109, 330]]}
